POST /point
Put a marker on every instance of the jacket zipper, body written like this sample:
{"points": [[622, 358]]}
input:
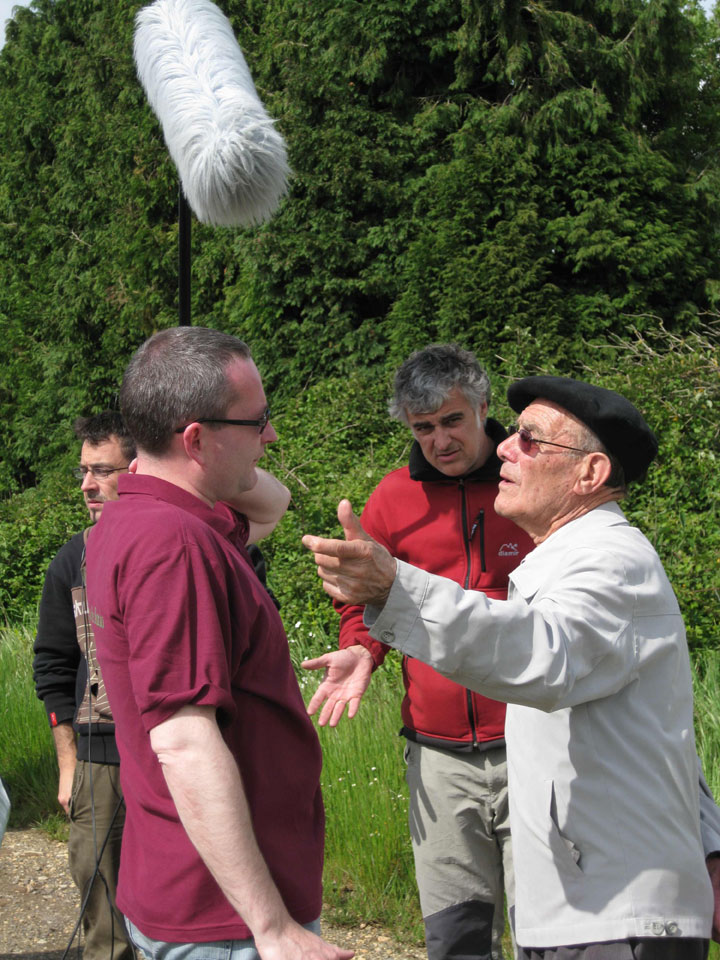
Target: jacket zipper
{"points": [[466, 538], [479, 522]]}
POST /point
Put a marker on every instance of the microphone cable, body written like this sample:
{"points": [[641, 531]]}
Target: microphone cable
{"points": [[98, 853]]}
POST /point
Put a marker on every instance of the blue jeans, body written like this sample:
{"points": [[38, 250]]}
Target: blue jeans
{"points": [[217, 950]]}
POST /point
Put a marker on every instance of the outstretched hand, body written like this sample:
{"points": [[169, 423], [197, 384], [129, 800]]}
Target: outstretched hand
{"points": [[347, 676], [356, 569]]}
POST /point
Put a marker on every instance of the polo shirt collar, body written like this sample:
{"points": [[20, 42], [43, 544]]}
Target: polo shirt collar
{"points": [[220, 517]]}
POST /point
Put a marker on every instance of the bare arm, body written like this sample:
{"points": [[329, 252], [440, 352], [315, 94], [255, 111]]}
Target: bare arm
{"points": [[206, 787], [64, 737], [264, 505]]}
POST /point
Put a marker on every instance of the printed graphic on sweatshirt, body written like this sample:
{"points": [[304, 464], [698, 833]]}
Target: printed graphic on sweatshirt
{"points": [[95, 707]]}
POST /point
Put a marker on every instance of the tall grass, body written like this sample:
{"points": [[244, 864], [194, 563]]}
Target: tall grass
{"points": [[706, 682], [27, 754], [369, 870]]}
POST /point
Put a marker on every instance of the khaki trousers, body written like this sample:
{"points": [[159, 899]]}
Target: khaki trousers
{"points": [[103, 925], [460, 831]]}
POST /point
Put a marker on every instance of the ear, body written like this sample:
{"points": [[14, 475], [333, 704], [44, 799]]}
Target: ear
{"points": [[594, 471], [192, 440]]}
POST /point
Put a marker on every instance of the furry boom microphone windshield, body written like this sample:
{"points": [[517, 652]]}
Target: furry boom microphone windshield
{"points": [[231, 159]]}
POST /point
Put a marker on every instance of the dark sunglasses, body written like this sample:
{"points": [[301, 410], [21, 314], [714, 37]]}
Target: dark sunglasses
{"points": [[526, 440]]}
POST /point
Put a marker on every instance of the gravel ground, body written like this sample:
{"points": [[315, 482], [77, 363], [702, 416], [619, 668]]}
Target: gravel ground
{"points": [[38, 907]]}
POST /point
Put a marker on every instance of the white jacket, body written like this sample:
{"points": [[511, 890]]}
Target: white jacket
{"points": [[589, 650]]}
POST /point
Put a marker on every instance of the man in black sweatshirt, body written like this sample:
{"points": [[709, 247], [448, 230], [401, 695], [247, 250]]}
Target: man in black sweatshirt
{"points": [[68, 681]]}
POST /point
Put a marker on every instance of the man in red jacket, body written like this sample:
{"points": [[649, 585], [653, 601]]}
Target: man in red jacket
{"points": [[438, 514]]}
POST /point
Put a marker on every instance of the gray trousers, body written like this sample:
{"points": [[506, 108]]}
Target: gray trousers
{"points": [[460, 831], [103, 925]]}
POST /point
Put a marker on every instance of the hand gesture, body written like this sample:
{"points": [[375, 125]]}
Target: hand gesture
{"points": [[347, 676], [356, 569]]}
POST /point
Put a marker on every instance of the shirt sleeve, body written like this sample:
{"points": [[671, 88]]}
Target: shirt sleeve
{"points": [[56, 651], [177, 620], [573, 642]]}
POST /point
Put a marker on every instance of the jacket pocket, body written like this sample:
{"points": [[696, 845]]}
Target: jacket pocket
{"points": [[566, 853], [78, 777]]}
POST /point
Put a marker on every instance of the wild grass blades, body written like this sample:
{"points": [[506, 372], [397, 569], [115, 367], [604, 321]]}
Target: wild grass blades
{"points": [[27, 754], [369, 875], [369, 872], [706, 682]]}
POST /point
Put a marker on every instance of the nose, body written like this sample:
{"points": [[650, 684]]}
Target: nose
{"points": [[507, 448], [268, 435], [442, 437], [88, 482]]}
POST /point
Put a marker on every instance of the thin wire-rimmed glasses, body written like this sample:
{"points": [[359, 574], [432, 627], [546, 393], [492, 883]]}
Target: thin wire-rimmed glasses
{"points": [[526, 440], [260, 423], [99, 473]]}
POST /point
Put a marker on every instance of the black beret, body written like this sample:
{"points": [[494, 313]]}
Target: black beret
{"points": [[614, 420]]}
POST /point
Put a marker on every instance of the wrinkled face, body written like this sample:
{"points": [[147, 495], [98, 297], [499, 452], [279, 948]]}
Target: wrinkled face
{"points": [[102, 458], [537, 481], [233, 450], [453, 438]]}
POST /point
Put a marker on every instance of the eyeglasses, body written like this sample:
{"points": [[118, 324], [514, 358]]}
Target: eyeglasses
{"points": [[261, 423], [100, 473], [527, 440]]}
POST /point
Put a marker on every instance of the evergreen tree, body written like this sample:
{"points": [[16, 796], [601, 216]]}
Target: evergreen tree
{"points": [[523, 177]]}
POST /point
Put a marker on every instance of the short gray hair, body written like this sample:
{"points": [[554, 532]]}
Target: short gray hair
{"points": [[175, 377], [589, 441], [425, 379]]}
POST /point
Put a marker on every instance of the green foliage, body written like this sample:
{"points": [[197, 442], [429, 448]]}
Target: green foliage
{"points": [[514, 175], [33, 527], [335, 441], [87, 263], [676, 383], [538, 181]]}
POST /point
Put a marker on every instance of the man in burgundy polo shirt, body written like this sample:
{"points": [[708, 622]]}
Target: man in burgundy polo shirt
{"points": [[220, 765]]}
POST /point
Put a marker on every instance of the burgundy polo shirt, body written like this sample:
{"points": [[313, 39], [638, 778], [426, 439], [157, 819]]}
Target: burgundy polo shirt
{"points": [[180, 618]]}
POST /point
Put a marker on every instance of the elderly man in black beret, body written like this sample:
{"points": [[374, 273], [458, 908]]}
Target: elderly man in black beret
{"points": [[589, 651]]}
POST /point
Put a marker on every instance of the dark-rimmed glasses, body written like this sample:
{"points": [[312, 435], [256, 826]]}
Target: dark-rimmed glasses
{"points": [[99, 473], [527, 440], [260, 423]]}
